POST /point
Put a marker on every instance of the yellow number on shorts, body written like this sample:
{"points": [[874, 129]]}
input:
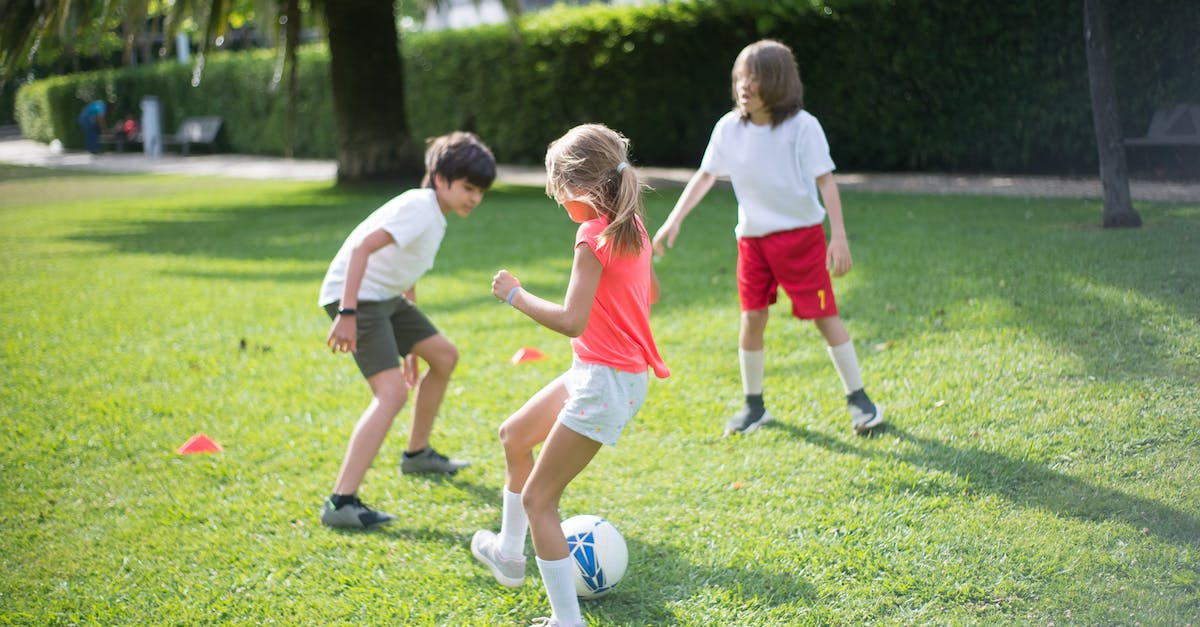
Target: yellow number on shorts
{"points": [[821, 296]]}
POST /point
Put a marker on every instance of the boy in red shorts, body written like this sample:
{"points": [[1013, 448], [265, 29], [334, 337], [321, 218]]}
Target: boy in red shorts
{"points": [[776, 155]]}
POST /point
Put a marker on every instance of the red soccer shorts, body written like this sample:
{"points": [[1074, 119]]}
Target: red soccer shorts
{"points": [[793, 260]]}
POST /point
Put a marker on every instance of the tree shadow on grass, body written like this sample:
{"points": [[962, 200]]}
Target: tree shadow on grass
{"points": [[1021, 482], [478, 492], [284, 232], [661, 577], [311, 225]]}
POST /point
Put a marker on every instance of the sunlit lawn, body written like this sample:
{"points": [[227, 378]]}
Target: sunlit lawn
{"points": [[1039, 374]]}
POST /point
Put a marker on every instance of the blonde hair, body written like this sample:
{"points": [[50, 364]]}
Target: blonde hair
{"points": [[773, 65], [590, 163]]}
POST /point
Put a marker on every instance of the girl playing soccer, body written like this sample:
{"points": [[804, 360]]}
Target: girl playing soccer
{"points": [[607, 316], [776, 155]]}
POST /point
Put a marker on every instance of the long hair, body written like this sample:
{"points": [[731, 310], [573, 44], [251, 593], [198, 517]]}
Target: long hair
{"points": [[773, 65], [590, 163]]}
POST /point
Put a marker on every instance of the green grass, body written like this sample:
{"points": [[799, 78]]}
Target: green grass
{"points": [[1039, 374]]}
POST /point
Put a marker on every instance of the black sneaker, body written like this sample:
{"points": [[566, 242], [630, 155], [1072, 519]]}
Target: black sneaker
{"points": [[431, 461], [864, 415], [352, 515], [747, 420]]}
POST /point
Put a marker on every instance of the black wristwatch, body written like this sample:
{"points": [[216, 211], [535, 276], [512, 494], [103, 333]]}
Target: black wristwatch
{"points": [[346, 311]]}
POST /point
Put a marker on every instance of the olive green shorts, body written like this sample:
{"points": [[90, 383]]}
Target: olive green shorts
{"points": [[387, 330]]}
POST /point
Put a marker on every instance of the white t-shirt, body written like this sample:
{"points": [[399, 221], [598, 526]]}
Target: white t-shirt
{"points": [[773, 170], [416, 223]]}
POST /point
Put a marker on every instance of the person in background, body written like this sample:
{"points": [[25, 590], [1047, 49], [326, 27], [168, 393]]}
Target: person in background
{"points": [[91, 120], [777, 157]]}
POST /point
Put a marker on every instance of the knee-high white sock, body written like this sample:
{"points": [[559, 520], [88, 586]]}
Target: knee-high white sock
{"points": [[513, 525], [752, 370], [845, 361], [560, 587]]}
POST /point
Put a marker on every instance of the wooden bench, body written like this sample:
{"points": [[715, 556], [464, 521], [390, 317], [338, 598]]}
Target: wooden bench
{"points": [[201, 130], [1174, 129], [1177, 125]]}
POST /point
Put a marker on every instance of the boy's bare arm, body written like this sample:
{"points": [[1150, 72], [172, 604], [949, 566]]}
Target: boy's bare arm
{"points": [[343, 335], [697, 187], [838, 260]]}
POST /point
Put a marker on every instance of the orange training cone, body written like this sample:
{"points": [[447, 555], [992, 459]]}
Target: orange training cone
{"points": [[199, 443], [528, 353]]}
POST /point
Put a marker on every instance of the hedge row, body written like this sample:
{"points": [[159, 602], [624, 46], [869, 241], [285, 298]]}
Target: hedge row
{"points": [[897, 84], [239, 87]]}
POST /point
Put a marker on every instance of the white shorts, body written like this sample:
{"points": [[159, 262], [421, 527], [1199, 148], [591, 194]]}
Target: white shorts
{"points": [[602, 400]]}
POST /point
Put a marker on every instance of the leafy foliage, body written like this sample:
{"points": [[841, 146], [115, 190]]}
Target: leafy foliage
{"points": [[239, 87], [897, 85]]}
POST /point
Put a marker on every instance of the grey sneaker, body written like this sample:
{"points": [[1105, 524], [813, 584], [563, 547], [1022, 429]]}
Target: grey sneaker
{"points": [[353, 515], [864, 415], [510, 572], [431, 461], [747, 420]]}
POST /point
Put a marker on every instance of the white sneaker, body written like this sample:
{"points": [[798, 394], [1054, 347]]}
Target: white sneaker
{"points": [[549, 621], [509, 571]]}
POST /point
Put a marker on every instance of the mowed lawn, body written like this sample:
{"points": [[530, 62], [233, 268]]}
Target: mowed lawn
{"points": [[1041, 463]]}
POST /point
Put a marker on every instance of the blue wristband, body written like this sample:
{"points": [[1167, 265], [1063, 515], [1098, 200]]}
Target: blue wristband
{"points": [[511, 293]]}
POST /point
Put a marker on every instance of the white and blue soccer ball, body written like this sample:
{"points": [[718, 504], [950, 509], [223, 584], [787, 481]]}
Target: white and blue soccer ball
{"points": [[598, 552]]}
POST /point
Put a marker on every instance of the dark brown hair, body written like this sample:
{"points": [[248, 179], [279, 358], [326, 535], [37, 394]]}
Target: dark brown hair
{"points": [[459, 155], [773, 65]]}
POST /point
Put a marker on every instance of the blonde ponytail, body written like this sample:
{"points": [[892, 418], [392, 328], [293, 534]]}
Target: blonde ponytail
{"points": [[590, 163]]}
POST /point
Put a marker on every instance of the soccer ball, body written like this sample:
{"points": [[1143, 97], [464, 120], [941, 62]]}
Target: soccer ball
{"points": [[598, 552]]}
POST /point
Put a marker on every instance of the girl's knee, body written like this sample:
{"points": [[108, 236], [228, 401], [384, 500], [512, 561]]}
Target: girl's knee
{"points": [[536, 501], [511, 438]]}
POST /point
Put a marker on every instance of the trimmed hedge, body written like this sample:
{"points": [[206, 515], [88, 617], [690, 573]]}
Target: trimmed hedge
{"points": [[897, 84], [235, 86]]}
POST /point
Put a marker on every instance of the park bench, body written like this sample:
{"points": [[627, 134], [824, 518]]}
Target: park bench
{"points": [[201, 130], [1173, 129]]}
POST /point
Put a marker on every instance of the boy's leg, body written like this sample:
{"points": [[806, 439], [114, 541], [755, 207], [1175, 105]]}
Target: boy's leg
{"points": [[864, 415], [343, 509], [565, 454], [388, 395], [440, 357], [751, 360]]}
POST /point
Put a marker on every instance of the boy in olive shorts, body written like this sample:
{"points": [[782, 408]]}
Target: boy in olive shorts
{"points": [[370, 293]]}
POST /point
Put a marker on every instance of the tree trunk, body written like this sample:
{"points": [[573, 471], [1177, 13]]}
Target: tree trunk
{"points": [[1114, 177], [291, 9], [373, 140]]}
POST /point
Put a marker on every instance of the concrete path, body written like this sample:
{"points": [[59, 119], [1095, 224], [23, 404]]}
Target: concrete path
{"points": [[19, 151]]}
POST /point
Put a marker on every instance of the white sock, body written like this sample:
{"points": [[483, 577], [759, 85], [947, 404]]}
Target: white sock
{"points": [[559, 579], [513, 525], [752, 370], [845, 361]]}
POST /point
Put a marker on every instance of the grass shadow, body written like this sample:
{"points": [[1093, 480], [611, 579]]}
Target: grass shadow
{"points": [[647, 597], [1024, 483]]}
